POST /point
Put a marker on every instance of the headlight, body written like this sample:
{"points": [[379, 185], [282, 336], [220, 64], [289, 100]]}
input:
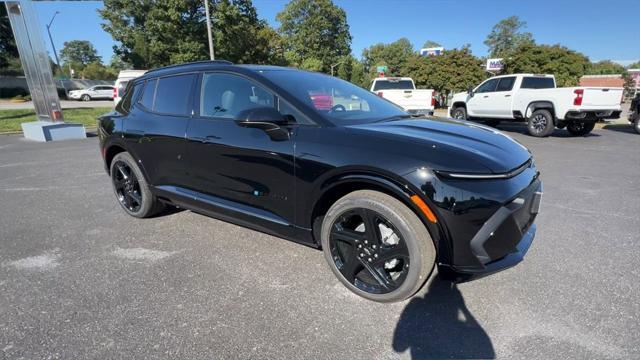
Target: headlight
{"points": [[476, 176]]}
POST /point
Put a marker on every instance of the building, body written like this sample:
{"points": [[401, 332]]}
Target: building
{"points": [[610, 80]]}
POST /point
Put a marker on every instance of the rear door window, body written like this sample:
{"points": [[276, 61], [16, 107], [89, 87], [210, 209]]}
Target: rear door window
{"points": [[173, 95], [537, 83], [506, 83]]}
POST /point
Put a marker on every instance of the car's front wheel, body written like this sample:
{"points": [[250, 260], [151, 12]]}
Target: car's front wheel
{"points": [[459, 113], [131, 188], [636, 125], [377, 247], [85, 97]]}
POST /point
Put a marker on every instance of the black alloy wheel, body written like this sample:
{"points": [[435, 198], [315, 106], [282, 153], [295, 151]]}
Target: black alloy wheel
{"points": [[540, 124], [459, 113], [127, 187], [369, 251], [377, 246]]}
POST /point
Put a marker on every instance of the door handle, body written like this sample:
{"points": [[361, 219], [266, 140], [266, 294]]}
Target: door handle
{"points": [[507, 95], [486, 96]]}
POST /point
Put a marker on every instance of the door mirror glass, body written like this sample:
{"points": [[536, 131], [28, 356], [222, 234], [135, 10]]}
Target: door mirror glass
{"points": [[470, 91]]}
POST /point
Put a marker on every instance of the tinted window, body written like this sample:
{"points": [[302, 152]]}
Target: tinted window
{"points": [[537, 83], [506, 84], [393, 85], [124, 106], [173, 95], [121, 87], [225, 95], [488, 86], [336, 100], [292, 113], [148, 94]]}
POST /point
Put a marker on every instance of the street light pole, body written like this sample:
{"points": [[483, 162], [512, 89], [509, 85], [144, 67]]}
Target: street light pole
{"points": [[51, 39], [206, 10]]}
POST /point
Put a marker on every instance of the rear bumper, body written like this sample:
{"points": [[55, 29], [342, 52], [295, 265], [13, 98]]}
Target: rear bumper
{"points": [[592, 115], [504, 238]]}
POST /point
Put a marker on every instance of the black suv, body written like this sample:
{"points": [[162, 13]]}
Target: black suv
{"points": [[322, 162]]}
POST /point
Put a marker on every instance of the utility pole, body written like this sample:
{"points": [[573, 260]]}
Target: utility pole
{"points": [[206, 9], [51, 39]]}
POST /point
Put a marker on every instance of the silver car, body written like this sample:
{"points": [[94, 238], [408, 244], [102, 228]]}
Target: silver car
{"points": [[102, 92]]}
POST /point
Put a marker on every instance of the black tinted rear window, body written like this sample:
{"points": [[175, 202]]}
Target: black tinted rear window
{"points": [[393, 85], [537, 83], [148, 94], [173, 95]]}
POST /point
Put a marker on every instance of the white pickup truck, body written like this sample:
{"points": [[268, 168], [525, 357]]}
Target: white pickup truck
{"points": [[402, 92], [536, 100]]}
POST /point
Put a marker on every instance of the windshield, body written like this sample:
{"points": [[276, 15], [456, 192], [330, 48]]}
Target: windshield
{"points": [[338, 101], [393, 84]]}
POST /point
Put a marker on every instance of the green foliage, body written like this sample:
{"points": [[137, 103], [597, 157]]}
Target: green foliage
{"points": [[567, 65], [393, 55], [505, 36], [311, 64], [455, 70], [79, 53], [635, 65], [314, 29], [154, 33], [97, 71], [430, 44], [9, 58], [10, 120], [629, 85], [605, 67]]}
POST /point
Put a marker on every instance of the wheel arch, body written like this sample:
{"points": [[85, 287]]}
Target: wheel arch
{"points": [[344, 184], [537, 105]]}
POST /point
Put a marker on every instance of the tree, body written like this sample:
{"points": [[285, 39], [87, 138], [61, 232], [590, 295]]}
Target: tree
{"points": [[605, 67], [156, 33], [314, 29], [455, 70], [393, 55], [430, 44], [635, 65], [9, 57], [629, 84], [567, 65], [97, 71], [506, 36], [79, 53]]}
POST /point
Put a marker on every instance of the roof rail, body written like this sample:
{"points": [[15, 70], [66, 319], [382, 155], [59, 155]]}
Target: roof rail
{"points": [[213, 62]]}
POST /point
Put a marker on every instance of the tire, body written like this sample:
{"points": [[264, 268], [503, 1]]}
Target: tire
{"points": [[459, 113], [540, 123], [410, 260], [85, 97], [492, 123], [636, 125], [580, 128], [131, 188]]}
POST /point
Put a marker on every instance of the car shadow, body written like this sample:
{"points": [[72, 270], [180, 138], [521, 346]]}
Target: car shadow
{"points": [[521, 128], [439, 326], [623, 128]]}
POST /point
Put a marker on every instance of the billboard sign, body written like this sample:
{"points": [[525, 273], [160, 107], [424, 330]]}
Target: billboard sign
{"points": [[434, 51], [494, 64]]}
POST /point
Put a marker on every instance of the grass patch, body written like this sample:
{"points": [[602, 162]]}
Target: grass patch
{"points": [[10, 120]]}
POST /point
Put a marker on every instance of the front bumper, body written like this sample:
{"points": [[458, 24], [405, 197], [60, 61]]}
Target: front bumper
{"points": [[504, 238]]}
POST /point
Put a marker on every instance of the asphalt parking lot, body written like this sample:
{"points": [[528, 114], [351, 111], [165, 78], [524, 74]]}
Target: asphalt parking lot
{"points": [[80, 279]]}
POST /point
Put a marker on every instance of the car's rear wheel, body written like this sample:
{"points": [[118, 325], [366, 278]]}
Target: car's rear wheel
{"points": [[376, 246], [131, 188], [85, 97], [636, 125], [459, 113], [540, 123], [580, 128]]}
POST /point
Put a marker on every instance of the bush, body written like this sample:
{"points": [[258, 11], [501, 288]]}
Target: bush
{"points": [[7, 93]]}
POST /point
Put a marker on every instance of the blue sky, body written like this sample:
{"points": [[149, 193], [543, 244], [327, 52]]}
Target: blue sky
{"points": [[599, 29]]}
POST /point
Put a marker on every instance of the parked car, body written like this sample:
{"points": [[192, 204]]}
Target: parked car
{"points": [[97, 92], [634, 112], [386, 196], [536, 100], [402, 91], [124, 76]]}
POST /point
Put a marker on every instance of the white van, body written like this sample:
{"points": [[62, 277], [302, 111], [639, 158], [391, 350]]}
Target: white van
{"points": [[121, 83]]}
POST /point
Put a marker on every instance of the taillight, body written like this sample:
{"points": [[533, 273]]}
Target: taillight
{"points": [[578, 99], [380, 93], [115, 93], [433, 101]]}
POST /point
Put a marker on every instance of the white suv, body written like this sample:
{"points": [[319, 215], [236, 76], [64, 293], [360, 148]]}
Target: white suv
{"points": [[102, 92]]}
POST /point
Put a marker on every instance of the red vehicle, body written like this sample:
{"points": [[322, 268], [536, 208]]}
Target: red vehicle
{"points": [[321, 101]]}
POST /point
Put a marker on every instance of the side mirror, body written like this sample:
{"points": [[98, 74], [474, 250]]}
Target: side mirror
{"points": [[470, 91], [267, 119]]}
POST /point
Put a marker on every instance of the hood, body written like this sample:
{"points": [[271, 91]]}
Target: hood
{"points": [[455, 145]]}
